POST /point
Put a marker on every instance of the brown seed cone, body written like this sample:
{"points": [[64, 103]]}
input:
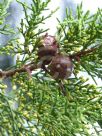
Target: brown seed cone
{"points": [[47, 49], [46, 54], [60, 67]]}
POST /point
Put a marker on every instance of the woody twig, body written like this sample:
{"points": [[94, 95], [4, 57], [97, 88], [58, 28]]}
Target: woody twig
{"points": [[24, 68], [77, 55]]}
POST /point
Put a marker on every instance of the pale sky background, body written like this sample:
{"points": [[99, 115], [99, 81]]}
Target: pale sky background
{"points": [[91, 5]]}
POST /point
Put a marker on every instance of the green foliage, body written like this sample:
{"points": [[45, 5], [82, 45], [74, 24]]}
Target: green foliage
{"points": [[4, 28], [81, 32], [35, 106]]}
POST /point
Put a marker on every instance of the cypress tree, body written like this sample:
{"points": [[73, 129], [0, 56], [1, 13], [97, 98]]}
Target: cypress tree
{"points": [[49, 97]]}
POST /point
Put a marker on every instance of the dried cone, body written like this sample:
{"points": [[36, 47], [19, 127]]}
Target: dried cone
{"points": [[47, 49], [60, 67]]}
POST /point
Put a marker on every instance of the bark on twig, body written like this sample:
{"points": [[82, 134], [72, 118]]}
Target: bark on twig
{"points": [[10, 73], [82, 53]]}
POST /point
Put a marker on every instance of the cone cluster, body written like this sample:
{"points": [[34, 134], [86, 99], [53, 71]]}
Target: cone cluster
{"points": [[59, 65]]}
